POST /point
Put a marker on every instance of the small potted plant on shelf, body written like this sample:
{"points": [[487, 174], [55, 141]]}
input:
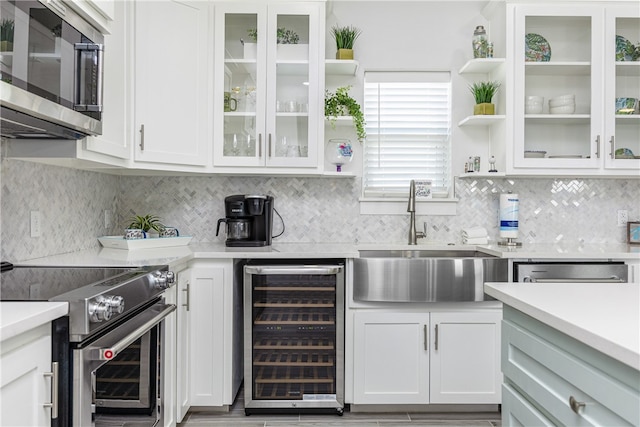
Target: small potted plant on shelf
{"points": [[284, 37], [483, 93], [6, 35], [149, 223], [345, 37], [341, 103]]}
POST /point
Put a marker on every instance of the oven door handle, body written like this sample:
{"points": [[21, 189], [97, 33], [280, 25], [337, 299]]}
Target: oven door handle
{"points": [[111, 351]]}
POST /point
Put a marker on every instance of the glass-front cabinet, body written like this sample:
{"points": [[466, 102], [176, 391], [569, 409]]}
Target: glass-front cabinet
{"points": [[568, 78], [622, 90], [267, 84]]}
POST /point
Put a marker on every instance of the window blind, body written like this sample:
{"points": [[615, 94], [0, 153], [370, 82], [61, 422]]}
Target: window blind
{"points": [[408, 124]]}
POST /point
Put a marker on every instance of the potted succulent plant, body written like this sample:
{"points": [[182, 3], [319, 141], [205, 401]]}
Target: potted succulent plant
{"points": [[345, 37], [483, 93], [6, 35], [149, 223], [341, 103]]}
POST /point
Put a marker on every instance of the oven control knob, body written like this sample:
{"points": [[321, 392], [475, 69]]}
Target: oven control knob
{"points": [[116, 303], [163, 279], [99, 311]]}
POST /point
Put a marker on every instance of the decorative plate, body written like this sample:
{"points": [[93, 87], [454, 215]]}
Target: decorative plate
{"points": [[536, 48], [625, 50]]}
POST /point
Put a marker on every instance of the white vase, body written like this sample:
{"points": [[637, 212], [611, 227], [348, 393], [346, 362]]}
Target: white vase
{"points": [[339, 152]]}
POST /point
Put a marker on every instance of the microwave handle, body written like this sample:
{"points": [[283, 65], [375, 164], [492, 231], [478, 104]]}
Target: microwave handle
{"points": [[98, 51]]}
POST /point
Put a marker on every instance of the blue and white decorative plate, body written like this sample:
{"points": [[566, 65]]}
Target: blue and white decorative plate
{"points": [[625, 50], [536, 48]]}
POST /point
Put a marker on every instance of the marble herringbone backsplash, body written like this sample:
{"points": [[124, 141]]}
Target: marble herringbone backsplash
{"points": [[72, 205]]}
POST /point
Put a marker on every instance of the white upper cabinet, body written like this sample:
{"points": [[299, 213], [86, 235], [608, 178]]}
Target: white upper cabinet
{"points": [[172, 114], [622, 80], [100, 13], [268, 86], [571, 51]]}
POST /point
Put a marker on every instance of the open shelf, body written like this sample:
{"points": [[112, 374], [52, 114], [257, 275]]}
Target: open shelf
{"points": [[481, 65], [582, 68], [344, 67], [482, 120]]}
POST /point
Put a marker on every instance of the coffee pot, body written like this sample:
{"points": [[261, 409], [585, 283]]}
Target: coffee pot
{"points": [[249, 220]]}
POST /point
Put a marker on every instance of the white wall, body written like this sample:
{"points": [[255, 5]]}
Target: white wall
{"points": [[411, 35]]}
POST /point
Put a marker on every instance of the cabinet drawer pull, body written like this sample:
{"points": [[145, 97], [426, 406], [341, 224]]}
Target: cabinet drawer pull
{"points": [[436, 338], [54, 390], [598, 147], [426, 338], [141, 137], [187, 296], [575, 405], [612, 141], [269, 145], [259, 145]]}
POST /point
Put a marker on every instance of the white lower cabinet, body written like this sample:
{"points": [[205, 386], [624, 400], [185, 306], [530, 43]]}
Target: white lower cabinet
{"points": [[426, 357], [25, 379], [553, 379], [205, 341], [168, 379]]}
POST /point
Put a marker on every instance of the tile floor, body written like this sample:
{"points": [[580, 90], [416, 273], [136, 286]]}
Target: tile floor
{"points": [[237, 417]]}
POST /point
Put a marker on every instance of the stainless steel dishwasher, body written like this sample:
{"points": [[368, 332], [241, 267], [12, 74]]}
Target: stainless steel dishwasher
{"points": [[567, 272], [294, 337]]}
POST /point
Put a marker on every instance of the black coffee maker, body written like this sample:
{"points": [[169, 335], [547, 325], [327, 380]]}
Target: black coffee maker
{"points": [[249, 220]]}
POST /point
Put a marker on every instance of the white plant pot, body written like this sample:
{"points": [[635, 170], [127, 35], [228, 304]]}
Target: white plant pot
{"points": [[250, 50]]}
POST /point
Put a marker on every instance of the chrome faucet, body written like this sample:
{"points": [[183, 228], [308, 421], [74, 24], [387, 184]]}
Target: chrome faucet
{"points": [[411, 208]]}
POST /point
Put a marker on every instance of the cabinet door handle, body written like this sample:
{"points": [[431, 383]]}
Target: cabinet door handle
{"points": [[141, 137], [436, 338], [54, 390], [259, 145], [426, 337], [187, 296], [575, 405], [612, 141], [598, 147], [269, 145]]}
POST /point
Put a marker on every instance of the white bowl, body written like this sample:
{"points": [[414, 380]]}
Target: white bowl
{"points": [[561, 103], [530, 108], [533, 98], [565, 109], [563, 98]]}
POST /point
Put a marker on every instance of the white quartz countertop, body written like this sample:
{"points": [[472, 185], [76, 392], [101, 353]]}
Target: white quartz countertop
{"points": [[565, 251], [19, 317], [105, 257], [603, 316]]}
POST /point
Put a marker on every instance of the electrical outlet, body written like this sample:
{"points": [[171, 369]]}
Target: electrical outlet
{"points": [[36, 224], [623, 217], [107, 219]]}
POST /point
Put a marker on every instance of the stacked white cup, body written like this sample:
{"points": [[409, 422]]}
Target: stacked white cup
{"points": [[533, 104], [565, 104]]}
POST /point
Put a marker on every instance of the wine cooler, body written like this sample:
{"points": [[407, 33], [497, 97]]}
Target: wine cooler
{"points": [[294, 338]]}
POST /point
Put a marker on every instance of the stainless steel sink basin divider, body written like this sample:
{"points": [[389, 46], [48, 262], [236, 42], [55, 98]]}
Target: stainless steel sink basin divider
{"points": [[425, 275]]}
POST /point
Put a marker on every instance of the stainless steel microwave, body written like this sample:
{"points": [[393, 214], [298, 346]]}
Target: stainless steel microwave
{"points": [[51, 71]]}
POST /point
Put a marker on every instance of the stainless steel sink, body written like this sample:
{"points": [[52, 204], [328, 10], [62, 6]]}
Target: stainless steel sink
{"points": [[425, 275]]}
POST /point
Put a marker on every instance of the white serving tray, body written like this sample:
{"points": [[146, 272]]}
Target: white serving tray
{"points": [[119, 242]]}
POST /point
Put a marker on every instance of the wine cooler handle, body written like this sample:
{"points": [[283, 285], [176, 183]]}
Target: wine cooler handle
{"points": [[293, 269]]}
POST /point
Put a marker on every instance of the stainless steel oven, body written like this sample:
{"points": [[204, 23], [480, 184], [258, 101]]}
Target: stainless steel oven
{"points": [[51, 71], [110, 347]]}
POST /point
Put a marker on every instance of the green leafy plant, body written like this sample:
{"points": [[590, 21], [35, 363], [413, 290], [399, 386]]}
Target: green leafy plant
{"points": [[283, 36], [483, 92], [345, 37], [341, 103], [146, 223], [6, 30]]}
